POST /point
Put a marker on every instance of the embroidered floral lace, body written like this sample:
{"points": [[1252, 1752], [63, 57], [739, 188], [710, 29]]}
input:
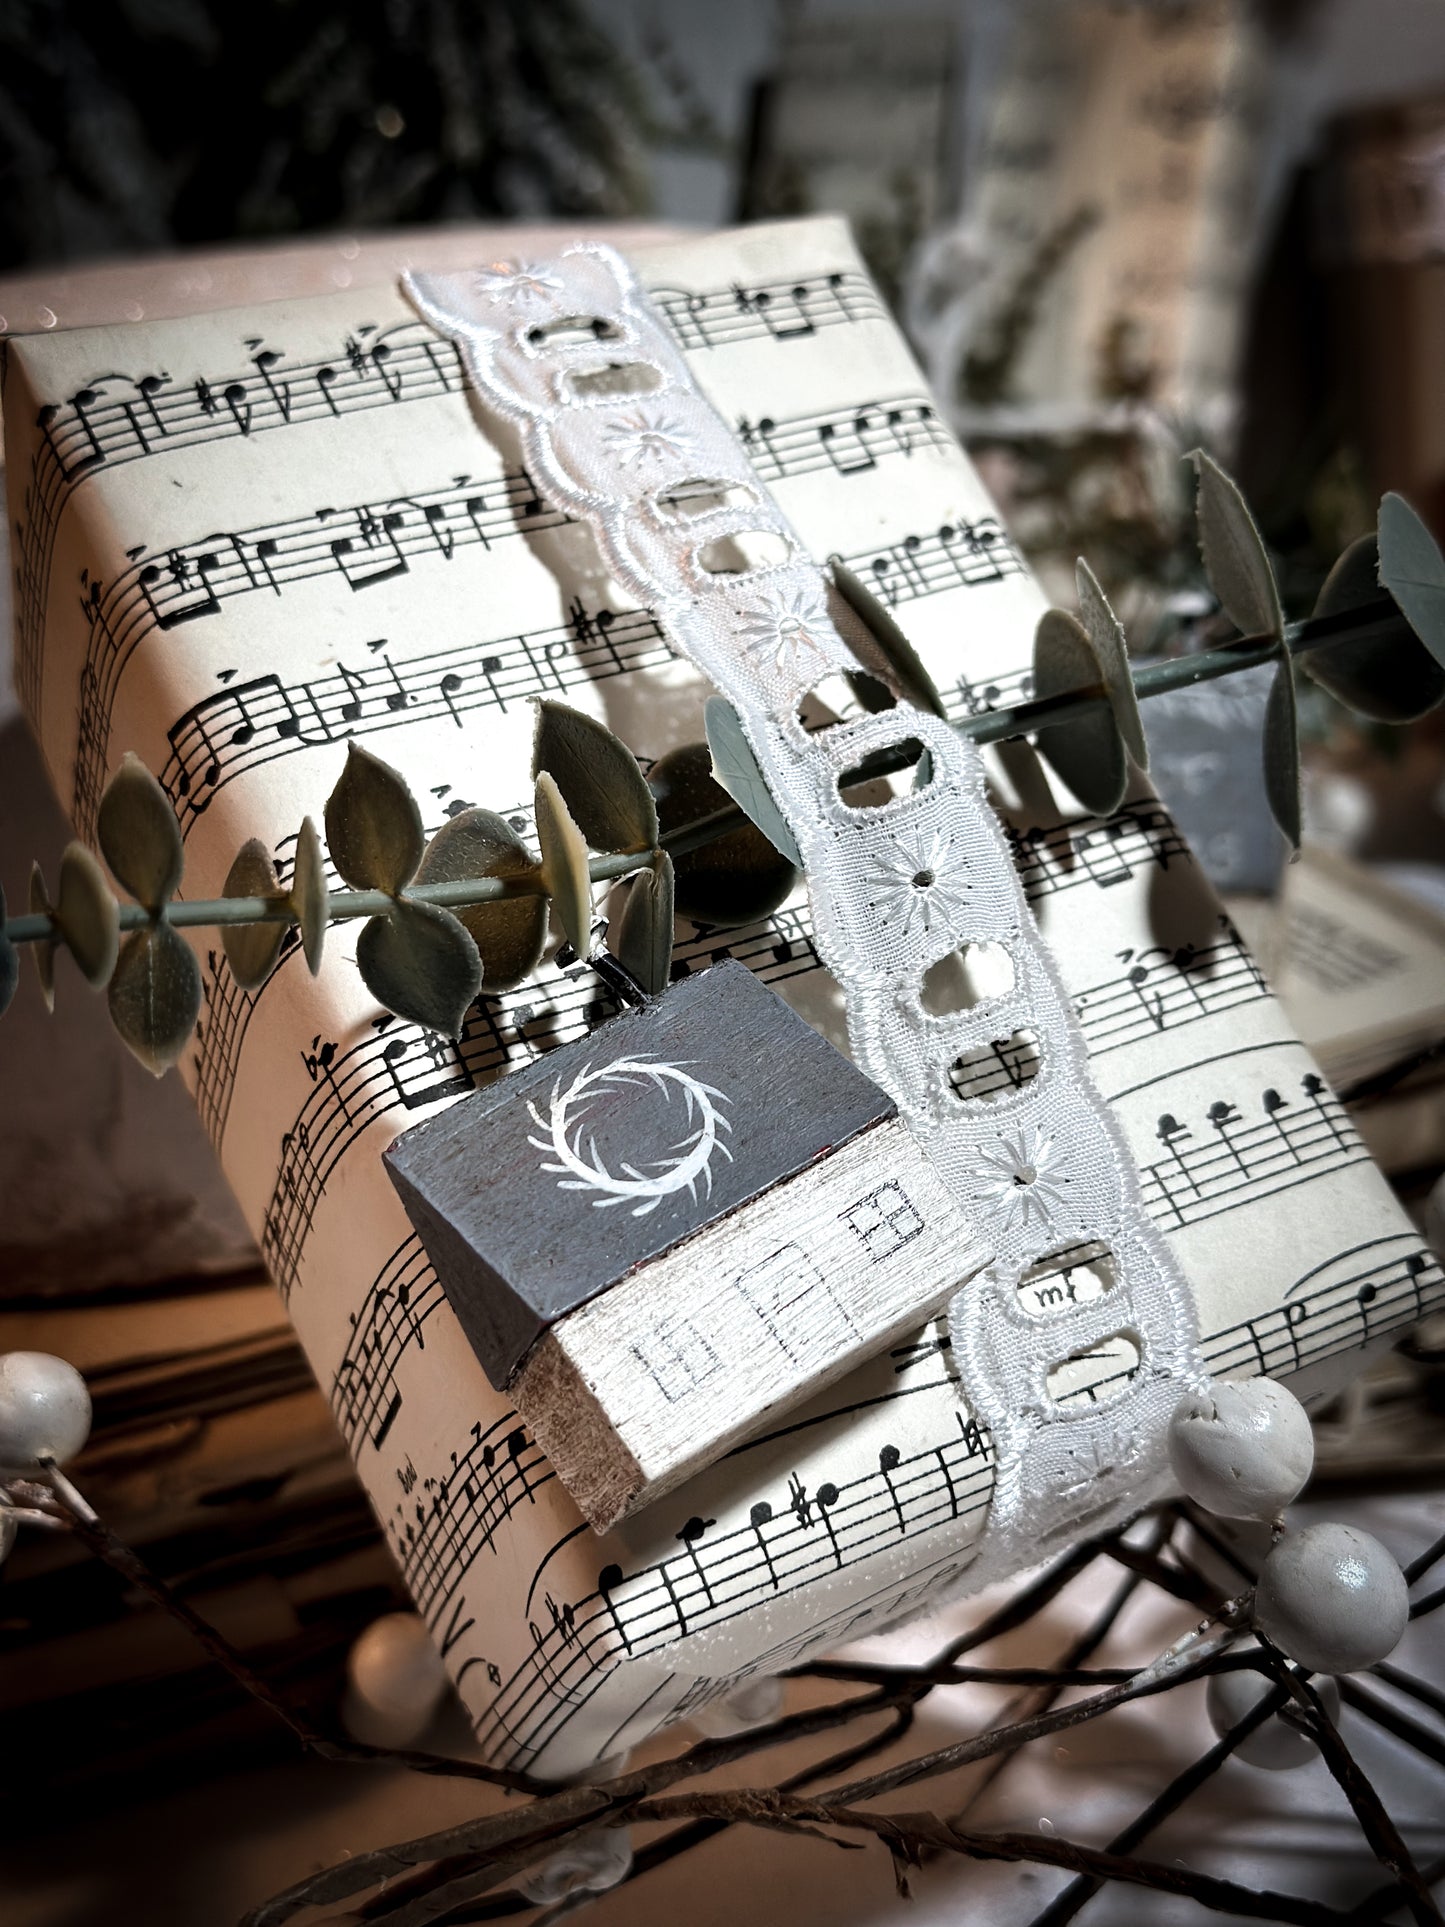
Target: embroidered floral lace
{"points": [[895, 889]]}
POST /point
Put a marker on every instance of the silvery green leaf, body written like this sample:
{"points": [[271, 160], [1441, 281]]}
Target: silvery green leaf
{"points": [[44, 951], [564, 865], [139, 836], [511, 934], [1106, 633], [155, 995], [732, 879], [310, 899], [419, 962], [598, 777], [9, 962], [736, 768], [373, 826], [1234, 554], [252, 948], [894, 658], [1392, 676], [1413, 570], [1088, 752], [1281, 752], [87, 915], [643, 943]]}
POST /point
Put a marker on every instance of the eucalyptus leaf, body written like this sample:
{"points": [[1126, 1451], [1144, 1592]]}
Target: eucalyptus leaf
{"points": [[373, 825], [873, 696], [1281, 751], [1088, 753], [418, 961], [310, 899], [1413, 570], [643, 943], [44, 951], [511, 934], [564, 865], [87, 914], [1106, 633], [9, 962], [155, 994], [732, 879], [598, 777], [894, 657], [736, 768], [139, 836], [1391, 677], [1234, 554], [252, 948]]}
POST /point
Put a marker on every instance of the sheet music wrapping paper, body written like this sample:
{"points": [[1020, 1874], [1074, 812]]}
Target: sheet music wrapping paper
{"points": [[895, 889], [242, 540]]}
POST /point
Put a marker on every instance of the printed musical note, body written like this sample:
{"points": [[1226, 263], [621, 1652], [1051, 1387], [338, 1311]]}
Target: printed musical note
{"points": [[437, 1536], [380, 545], [719, 1574], [1051, 861], [247, 725], [391, 1319], [892, 1462], [778, 310], [1238, 1161], [848, 441]]}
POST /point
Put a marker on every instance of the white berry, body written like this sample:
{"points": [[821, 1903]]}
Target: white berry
{"points": [[1242, 1450], [395, 1681], [1332, 1598], [44, 1412], [757, 1703], [1282, 1741], [591, 1863]]}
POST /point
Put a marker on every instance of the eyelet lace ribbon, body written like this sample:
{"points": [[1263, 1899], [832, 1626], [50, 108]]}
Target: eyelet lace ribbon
{"points": [[1043, 1169]]}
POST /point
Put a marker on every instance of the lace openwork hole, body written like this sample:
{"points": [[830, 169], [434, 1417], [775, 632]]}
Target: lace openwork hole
{"points": [[841, 698], [614, 379], [1096, 1374], [1004, 1065], [885, 775], [1075, 1276], [748, 552], [571, 330], [702, 495], [974, 974]]}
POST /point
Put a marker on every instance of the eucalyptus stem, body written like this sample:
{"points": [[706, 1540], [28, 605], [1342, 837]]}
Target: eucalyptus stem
{"points": [[1375, 618]]}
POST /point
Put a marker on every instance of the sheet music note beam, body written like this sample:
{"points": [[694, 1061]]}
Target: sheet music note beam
{"points": [[658, 1235]]}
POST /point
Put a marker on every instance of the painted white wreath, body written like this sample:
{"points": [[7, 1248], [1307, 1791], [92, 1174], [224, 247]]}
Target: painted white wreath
{"points": [[579, 1163]]}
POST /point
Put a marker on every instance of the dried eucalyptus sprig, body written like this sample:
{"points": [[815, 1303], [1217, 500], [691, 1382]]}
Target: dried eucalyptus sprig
{"points": [[469, 909]]}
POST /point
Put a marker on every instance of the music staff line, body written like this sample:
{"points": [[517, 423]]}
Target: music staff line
{"points": [[1243, 1162], [373, 543], [438, 1536], [1377, 1296], [414, 1069], [712, 1580], [365, 1401], [401, 364], [676, 1595], [408, 1068], [244, 726], [366, 543], [1107, 854]]}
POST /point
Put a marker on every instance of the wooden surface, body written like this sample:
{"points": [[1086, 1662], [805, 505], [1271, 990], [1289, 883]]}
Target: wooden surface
{"points": [[664, 1373], [709, 1096]]}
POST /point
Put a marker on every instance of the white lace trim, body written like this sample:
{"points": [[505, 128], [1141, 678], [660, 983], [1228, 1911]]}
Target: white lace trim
{"points": [[1043, 1167]]}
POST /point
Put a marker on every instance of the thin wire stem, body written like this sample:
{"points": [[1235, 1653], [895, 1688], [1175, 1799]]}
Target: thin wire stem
{"points": [[1375, 618]]}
